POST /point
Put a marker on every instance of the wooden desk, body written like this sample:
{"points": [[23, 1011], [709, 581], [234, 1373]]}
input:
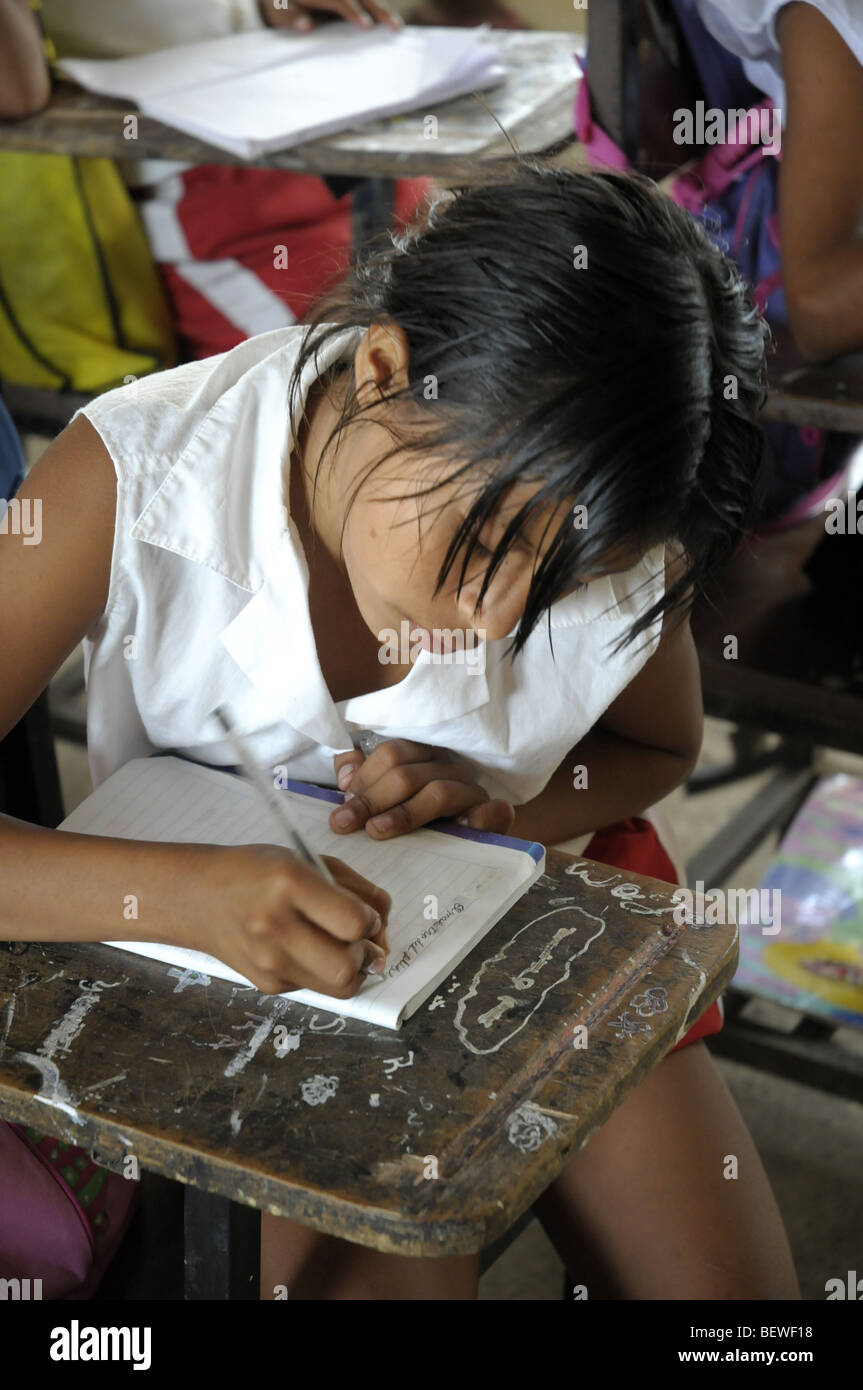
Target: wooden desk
{"points": [[268, 1103], [534, 105], [829, 395]]}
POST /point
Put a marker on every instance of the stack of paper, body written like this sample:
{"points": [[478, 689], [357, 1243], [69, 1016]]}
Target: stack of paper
{"points": [[255, 93]]}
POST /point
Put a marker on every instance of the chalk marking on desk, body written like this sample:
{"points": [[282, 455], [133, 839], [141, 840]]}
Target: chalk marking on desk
{"points": [[651, 1001], [97, 1086], [547, 1110], [188, 977], [702, 981], [337, 1023], [505, 1001], [237, 1119], [374, 1100], [23, 983], [626, 1027], [290, 1043], [317, 1090], [631, 896], [247, 1051], [700, 972], [166, 1061], [394, 1063], [221, 1044], [528, 1127], [64, 1033], [53, 1092], [239, 989], [10, 1013]]}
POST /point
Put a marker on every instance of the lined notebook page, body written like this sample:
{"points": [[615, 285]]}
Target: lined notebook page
{"points": [[447, 889]]}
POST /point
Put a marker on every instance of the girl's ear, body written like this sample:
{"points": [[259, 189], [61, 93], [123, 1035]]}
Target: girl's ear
{"points": [[381, 361]]}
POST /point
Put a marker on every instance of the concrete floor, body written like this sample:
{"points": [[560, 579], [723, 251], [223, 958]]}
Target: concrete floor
{"points": [[811, 1144]]}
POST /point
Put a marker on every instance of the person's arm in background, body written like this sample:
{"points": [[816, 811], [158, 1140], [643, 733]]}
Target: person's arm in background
{"points": [[25, 85], [821, 185], [302, 14]]}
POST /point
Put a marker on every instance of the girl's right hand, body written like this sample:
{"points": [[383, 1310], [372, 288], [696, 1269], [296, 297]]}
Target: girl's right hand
{"points": [[274, 919]]}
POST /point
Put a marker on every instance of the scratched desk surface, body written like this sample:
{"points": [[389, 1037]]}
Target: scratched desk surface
{"points": [[533, 104], [343, 1125]]}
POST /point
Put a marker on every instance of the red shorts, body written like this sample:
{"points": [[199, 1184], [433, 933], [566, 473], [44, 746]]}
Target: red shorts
{"points": [[634, 844]]}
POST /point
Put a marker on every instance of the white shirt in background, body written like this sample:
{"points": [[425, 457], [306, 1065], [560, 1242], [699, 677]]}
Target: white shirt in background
{"points": [[748, 28]]}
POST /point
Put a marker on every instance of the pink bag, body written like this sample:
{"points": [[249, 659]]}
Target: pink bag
{"points": [[62, 1217]]}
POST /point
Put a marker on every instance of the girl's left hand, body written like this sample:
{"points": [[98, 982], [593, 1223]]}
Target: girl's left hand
{"points": [[401, 786], [291, 14]]}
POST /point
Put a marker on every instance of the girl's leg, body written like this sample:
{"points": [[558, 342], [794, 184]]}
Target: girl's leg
{"points": [[315, 1266], [645, 1211]]}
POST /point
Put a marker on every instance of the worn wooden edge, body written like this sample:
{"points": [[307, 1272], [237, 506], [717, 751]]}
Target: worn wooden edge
{"points": [[574, 1132], [345, 153], [824, 413], [438, 1218]]}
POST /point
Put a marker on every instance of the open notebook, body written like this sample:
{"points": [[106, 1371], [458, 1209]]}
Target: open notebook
{"points": [[256, 93], [449, 884]]}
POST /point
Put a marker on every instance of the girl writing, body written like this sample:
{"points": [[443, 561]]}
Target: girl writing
{"points": [[531, 420]]}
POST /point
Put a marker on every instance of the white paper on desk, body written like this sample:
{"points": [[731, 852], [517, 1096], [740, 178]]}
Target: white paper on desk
{"points": [[474, 883], [257, 93]]}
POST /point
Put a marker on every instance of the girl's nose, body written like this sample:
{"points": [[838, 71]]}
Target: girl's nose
{"points": [[495, 619]]}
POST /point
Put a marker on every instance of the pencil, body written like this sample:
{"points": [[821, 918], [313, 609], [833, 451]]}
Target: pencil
{"points": [[278, 805]]}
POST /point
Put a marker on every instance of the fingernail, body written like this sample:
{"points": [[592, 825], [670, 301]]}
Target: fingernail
{"points": [[375, 960], [382, 822], [345, 777], [345, 817], [302, 22]]}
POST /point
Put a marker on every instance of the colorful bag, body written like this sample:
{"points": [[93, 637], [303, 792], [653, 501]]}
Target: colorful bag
{"points": [[62, 1217], [82, 306], [733, 190]]}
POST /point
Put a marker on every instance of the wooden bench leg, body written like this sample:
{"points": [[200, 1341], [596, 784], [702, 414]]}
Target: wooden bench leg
{"points": [[770, 809], [222, 1255]]}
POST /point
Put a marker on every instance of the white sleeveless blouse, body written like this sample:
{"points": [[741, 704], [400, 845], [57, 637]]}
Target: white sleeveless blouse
{"points": [[208, 602]]}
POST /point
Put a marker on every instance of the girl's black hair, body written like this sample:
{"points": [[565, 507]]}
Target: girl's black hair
{"points": [[582, 331]]}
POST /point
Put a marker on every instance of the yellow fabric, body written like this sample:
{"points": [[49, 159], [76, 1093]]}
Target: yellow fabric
{"points": [[47, 45], [81, 303]]}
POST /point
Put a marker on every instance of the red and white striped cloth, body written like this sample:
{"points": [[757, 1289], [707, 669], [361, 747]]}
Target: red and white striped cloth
{"points": [[243, 251]]}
